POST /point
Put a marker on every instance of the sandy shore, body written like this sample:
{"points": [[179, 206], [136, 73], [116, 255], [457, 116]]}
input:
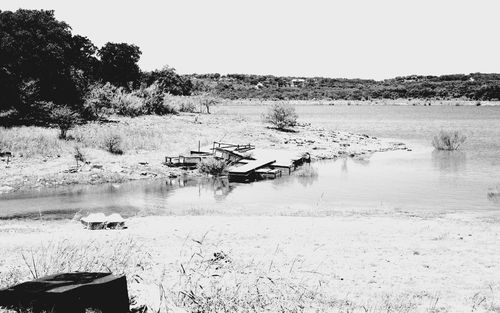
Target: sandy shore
{"points": [[348, 262], [148, 139]]}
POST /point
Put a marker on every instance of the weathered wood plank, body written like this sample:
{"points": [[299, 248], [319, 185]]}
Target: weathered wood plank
{"points": [[250, 166]]}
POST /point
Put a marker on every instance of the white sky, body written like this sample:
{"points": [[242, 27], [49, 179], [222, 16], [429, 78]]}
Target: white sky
{"points": [[333, 38]]}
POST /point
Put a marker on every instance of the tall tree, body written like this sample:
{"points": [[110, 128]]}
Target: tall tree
{"points": [[169, 81], [36, 49], [119, 63]]}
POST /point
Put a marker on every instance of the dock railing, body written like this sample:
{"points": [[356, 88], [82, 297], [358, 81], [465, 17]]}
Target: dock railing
{"points": [[232, 147]]}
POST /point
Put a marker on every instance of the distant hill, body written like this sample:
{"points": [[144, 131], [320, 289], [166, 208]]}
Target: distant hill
{"points": [[475, 86]]}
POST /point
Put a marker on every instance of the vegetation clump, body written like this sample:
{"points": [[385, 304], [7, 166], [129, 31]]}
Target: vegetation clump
{"points": [[448, 140], [79, 156], [64, 118], [212, 166], [113, 143], [281, 115], [306, 171]]}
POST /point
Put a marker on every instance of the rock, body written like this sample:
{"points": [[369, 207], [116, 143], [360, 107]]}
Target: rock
{"points": [[97, 166]]}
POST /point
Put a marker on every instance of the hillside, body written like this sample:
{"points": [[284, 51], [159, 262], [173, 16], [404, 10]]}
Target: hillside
{"points": [[475, 86]]}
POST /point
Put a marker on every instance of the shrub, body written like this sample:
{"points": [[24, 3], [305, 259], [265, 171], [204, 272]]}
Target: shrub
{"points": [[448, 140], [207, 101], [154, 101], [128, 104], [180, 103], [99, 101], [281, 115], [212, 166], [113, 143], [64, 118], [78, 155]]}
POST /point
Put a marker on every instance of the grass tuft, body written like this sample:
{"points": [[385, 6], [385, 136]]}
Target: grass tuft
{"points": [[448, 140], [212, 166]]}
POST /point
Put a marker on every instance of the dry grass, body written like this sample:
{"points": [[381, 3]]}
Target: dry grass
{"points": [[31, 141], [140, 133], [206, 273], [206, 279]]}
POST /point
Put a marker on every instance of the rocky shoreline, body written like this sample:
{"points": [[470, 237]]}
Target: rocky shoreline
{"points": [[32, 173]]}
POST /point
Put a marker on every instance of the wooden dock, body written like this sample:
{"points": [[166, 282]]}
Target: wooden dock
{"points": [[247, 171], [245, 166], [183, 161]]}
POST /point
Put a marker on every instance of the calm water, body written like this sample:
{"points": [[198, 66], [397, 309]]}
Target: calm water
{"points": [[422, 179]]}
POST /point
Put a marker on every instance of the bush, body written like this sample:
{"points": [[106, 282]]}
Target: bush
{"points": [[154, 101], [180, 103], [128, 104], [99, 101], [207, 101], [448, 140], [64, 118], [113, 143], [212, 166], [281, 115]]}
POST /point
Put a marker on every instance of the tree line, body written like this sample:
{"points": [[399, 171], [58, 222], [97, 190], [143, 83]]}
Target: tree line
{"points": [[44, 66], [475, 86], [46, 69]]}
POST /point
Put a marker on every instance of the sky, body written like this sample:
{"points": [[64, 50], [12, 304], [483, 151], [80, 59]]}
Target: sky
{"points": [[374, 39]]}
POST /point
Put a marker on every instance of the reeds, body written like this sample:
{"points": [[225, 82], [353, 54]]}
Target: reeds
{"points": [[212, 166], [448, 140]]}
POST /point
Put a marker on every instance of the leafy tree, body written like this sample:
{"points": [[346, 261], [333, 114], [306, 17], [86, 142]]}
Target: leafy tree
{"points": [[99, 101], [281, 115], [64, 118], [34, 46], [119, 63], [169, 81]]}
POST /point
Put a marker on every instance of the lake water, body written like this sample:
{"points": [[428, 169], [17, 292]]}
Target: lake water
{"points": [[422, 179]]}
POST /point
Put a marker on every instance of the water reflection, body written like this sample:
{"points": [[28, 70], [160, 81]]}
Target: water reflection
{"points": [[307, 175], [494, 195], [392, 179], [449, 161], [363, 161]]}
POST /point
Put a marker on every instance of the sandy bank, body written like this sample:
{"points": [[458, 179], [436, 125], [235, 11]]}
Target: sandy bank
{"points": [[355, 262]]}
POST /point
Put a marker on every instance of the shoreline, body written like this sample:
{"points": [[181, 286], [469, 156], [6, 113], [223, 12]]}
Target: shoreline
{"points": [[378, 260], [374, 102], [143, 159]]}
